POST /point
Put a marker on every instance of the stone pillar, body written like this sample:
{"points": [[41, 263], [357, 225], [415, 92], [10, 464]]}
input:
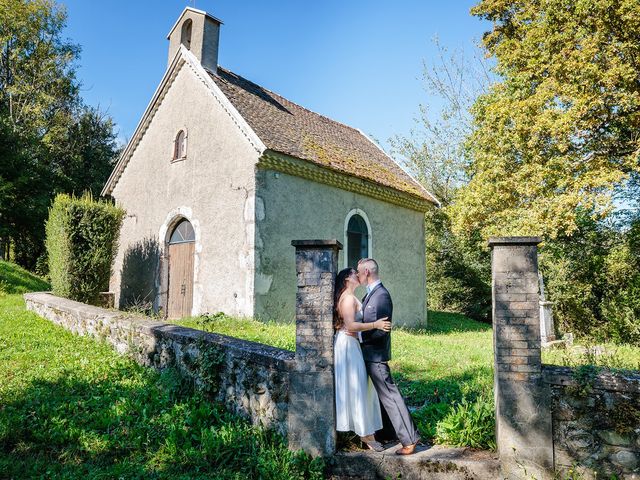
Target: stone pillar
{"points": [[311, 394], [523, 403]]}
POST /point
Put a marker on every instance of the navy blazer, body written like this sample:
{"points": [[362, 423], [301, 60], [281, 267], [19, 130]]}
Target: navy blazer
{"points": [[376, 344]]}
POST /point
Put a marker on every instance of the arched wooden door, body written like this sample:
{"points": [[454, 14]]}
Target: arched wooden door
{"points": [[181, 250]]}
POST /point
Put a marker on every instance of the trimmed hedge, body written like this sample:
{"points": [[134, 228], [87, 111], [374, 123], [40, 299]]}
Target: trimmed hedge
{"points": [[82, 236]]}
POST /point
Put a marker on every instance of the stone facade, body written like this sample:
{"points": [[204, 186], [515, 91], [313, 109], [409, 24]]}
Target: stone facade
{"points": [[250, 379], [213, 188], [596, 422]]}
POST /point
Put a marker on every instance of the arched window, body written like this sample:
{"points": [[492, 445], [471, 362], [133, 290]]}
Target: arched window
{"points": [[182, 233], [357, 237], [180, 146], [185, 35]]}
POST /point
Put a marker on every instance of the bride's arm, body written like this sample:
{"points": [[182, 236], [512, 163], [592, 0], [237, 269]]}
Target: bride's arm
{"points": [[348, 308]]}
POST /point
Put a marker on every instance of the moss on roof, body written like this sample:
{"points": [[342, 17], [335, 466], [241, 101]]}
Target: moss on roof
{"points": [[286, 127]]}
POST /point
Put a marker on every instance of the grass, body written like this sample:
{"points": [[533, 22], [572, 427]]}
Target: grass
{"points": [[70, 407], [435, 368], [606, 355], [14, 279], [281, 335], [445, 371]]}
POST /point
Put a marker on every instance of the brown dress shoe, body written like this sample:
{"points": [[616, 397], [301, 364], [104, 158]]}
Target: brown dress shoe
{"points": [[408, 450]]}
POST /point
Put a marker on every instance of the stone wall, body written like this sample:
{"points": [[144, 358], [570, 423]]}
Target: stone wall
{"points": [[552, 420], [596, 421], [251, 379]]}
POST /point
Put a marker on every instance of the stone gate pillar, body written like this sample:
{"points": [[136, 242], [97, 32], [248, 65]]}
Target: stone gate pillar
{"points": [[523, 404], [311, 394]]}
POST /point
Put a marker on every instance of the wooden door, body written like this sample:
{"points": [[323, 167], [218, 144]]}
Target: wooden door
{"points": [[180, 298]]}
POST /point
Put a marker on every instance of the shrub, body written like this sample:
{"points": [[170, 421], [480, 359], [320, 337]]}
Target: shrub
{"points": [[81, 242], [458, 270], [469, 424]]}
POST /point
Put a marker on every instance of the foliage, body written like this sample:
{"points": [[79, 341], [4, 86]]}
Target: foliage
{"points": [[458, 272], [15, 279], [50, 141], [559, 131], [593, 278], [435, 151], [82, 239], [469, 423]]}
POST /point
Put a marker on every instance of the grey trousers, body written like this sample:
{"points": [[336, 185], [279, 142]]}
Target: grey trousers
{"points": [[392, 402]]}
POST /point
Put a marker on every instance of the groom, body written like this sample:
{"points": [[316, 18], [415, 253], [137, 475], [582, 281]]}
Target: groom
{"points": [[376, 350]]}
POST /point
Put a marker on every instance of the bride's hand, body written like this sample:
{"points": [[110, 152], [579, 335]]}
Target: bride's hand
{"points": [[383, 324]]}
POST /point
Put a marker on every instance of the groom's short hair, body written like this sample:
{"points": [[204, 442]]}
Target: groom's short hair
{"points": [[369, 263]]}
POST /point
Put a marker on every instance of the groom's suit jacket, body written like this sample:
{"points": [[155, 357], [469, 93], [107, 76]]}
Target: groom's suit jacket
{"points": [[376, 344]]}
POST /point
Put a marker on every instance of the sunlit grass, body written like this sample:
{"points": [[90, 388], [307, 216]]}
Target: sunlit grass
{"points": [[435, 367], [71, 407]]}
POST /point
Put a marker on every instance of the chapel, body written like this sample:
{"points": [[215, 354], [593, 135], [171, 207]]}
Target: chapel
{"points": [[221, 174]]}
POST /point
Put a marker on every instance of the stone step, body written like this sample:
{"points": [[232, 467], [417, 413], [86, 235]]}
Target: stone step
{"points": [[429, 462]]}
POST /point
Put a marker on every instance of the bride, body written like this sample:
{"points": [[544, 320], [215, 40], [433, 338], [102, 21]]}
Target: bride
{"points": [[357, 404]]}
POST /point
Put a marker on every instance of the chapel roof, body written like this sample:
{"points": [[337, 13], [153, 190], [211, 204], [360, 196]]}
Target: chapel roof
{"points": [[288, 128]]}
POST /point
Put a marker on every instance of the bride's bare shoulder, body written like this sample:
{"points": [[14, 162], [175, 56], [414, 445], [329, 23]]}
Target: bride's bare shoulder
{"points": [[347, 300]]}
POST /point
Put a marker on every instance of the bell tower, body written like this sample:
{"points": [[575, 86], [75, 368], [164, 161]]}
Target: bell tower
{"points": [[199, 32]]}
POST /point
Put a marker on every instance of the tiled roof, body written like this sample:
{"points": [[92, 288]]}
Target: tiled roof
{"points": [[291, 129]]}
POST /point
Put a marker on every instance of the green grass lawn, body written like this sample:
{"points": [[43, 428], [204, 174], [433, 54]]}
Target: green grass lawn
{"points": [[71, 407], [607, 355], [435, 368], [445, 371]]}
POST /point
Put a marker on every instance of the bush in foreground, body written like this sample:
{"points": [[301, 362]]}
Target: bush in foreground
{"points": [[82, 236]]}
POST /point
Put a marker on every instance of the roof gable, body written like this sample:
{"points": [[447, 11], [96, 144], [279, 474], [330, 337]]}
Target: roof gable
{"points": [[183, 58], [270, 122]]}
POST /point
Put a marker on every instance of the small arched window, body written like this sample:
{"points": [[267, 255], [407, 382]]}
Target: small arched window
{"points": [[185, 34], [180, 146], [357, 237]]}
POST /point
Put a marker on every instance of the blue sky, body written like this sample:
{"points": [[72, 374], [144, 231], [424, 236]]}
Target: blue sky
{"points": [[358, 62]]}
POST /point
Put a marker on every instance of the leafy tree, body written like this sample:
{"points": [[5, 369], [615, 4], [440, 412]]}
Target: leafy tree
{"points": [[51, 142], [560, 130], [458, 270]]}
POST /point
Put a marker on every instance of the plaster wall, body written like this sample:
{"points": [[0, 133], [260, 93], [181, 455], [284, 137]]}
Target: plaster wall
{"points": [[213, 188], [292, 208]]}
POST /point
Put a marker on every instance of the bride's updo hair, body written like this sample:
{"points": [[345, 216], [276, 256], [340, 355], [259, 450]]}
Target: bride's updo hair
{"points": [[340, 287]]}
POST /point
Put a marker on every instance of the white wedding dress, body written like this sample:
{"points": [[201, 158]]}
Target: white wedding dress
{"points": [[357, 405]]}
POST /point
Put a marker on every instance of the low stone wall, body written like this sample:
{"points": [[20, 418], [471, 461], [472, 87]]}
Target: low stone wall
{"points": [[251, 379], [596, 422]]}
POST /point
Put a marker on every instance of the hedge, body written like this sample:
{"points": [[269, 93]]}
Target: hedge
{"points": [[81, 239]]}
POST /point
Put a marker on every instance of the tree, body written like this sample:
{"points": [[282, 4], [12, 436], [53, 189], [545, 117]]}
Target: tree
{"points": [[559, 133], [51, 142], [458, 271]]}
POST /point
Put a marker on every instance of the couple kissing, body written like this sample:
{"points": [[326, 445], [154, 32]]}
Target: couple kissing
{"points": [[368, 401]]}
